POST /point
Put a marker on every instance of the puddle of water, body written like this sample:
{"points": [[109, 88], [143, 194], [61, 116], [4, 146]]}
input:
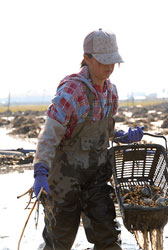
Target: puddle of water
{"points": [[14, 142]]}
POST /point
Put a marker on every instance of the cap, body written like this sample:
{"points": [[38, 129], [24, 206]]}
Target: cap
{"points": [[102, 45]]}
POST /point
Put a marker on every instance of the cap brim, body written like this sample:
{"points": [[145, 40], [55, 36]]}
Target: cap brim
{"points": [[109, 58]]}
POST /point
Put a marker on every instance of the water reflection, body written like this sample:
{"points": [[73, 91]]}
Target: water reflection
{"points": [[14, 142]]}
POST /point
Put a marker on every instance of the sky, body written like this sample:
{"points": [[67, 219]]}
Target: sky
{"points": [[42, 41]]}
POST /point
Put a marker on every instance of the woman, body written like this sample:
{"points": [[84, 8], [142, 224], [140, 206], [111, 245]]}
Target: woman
{"points": [[71, 158]]}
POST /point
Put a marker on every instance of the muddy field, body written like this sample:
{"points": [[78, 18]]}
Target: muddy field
{"points": [[13, 164], [27, 125]]}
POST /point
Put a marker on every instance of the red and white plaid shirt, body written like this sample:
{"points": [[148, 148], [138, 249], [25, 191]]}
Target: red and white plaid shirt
{"points": [[70, 105]]}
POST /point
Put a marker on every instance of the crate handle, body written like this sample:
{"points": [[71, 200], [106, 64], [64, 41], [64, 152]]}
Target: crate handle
{"points": [[158, 136], [117, 139]]}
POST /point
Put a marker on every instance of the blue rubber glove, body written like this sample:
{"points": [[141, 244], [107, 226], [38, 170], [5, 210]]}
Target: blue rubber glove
{"points": [[40, 175], [133, 135]]}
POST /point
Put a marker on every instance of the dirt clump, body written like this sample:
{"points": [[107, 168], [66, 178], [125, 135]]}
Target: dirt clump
{"points": [[139, 112], [120, 118], [19, 162], [16, 159], [29, 126], [165, 123], [4, 122]]}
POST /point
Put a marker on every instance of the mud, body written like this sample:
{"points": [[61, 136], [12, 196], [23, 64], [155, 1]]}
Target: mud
{"points": [[19, 162], [29, 123], [29, 126], [26, 124], [146, 116]]}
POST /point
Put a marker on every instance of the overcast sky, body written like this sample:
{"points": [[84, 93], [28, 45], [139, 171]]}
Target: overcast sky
{"points": [[42, 41]]}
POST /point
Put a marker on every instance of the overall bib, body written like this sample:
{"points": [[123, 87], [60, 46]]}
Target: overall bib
{"points": [[78, 186]]}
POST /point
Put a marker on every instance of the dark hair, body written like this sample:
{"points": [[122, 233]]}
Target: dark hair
{"points": [[83, 63]]}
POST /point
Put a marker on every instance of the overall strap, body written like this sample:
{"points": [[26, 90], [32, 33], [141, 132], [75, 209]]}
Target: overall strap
{"points": [[90, 96]]}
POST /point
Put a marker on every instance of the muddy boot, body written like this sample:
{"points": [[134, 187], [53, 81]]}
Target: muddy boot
{"points": [[44, 247], [115, 247]]}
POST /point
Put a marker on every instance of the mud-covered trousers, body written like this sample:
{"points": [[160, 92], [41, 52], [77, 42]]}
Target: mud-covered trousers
{"points": [[94, 204]]}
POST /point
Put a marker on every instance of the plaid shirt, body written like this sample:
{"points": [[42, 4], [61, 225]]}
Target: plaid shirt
{"points": [[70, 105]]}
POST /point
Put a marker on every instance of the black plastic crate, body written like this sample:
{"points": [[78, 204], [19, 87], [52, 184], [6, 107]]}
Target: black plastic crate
{"points": [[140, 164]]}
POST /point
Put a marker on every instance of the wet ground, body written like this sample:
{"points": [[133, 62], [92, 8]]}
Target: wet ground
{"points": [[19, 131], [13, 217], [22, 130]]}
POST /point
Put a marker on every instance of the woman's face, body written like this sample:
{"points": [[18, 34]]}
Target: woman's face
{"points": [[98, 70]]}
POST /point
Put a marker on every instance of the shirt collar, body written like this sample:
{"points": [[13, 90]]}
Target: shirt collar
{"points": [[85, 73]]}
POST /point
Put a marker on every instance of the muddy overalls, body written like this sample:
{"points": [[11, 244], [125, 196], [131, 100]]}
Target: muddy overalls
{"points": [[78, 185]]}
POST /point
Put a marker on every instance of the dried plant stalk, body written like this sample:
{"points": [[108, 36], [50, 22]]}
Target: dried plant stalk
{"points": [[36, 202]]}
